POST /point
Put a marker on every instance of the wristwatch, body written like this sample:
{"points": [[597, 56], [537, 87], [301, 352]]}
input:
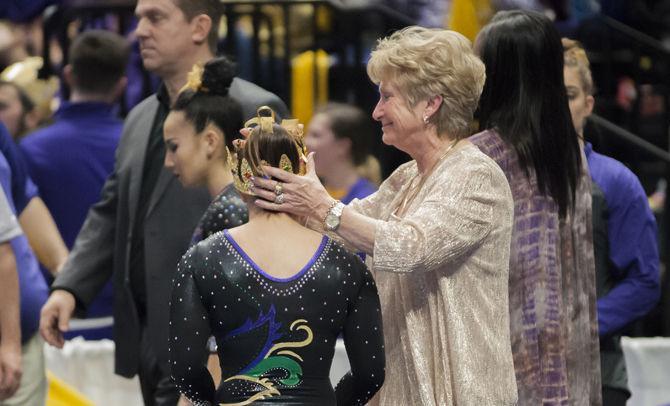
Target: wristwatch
{"points": [[332, 220]]}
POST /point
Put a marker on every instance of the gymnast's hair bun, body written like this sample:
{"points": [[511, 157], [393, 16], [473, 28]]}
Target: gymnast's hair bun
{"points": [[217, 76]]}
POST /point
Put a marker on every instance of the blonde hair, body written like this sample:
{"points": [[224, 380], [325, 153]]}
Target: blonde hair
{"points": [[575, 57], [426, 62]]}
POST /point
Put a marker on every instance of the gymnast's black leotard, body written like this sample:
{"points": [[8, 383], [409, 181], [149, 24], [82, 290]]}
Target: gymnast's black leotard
{"points": [[275, 337]]}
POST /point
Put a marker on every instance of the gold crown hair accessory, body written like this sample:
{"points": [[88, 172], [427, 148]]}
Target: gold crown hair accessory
{"points": [[285, 163], [265, 119], [242, 172], [293, 127], [194, 79]]}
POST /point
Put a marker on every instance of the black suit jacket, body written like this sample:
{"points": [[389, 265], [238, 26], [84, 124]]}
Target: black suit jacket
{"points": [[102, 248]]}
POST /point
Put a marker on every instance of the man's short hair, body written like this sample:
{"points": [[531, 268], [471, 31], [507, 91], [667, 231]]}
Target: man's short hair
{"points": [[98, 59], [211, 8]]}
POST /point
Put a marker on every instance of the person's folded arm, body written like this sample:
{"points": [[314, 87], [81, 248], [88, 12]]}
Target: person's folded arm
{"points": [[455, 218], [309, 202]]}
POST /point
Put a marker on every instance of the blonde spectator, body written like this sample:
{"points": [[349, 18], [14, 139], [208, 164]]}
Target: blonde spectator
{"points": [[340, 135], [624, 236], [27, 101], [17, 110]]}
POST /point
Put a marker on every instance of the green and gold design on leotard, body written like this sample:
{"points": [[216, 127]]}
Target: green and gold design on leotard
{"points": [[279, 367]]}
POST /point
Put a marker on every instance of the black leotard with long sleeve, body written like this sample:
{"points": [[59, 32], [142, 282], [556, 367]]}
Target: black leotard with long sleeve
{"points": [[275, 337], [227, 210]]}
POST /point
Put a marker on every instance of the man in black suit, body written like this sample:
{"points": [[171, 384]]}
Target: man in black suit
{"points": [[143, 222]]}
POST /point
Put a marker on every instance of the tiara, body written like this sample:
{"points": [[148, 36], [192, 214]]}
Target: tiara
{"points": [[263, 123]]}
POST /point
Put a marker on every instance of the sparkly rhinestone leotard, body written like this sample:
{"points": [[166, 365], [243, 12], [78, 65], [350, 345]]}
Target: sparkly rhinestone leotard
{"points": [[275, 337], [227, 210]]}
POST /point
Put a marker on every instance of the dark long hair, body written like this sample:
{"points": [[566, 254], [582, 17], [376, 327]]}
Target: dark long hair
{"points": [[211, 103], [524, 99]]}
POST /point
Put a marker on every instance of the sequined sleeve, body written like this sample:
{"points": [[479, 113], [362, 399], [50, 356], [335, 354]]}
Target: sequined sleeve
{"points": [[373, 205], [450, 217], [227, 210], [364, 341], [189, 331]]}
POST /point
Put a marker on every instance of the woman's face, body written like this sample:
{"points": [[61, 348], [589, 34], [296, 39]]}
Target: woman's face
{"points": [[328, 148], [400, 122], [581, 103], [12, 113], [185, 151]]}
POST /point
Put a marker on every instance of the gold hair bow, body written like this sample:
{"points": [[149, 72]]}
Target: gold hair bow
{"points": [[265, 118], [194, 79]]}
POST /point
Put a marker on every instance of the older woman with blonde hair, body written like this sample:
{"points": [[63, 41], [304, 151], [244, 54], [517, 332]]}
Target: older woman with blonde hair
{"points": [[437, 233]]}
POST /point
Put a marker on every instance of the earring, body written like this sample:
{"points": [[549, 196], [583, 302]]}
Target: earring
{"points": [[425, 119]]}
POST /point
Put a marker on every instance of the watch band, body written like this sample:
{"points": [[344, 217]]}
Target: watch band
{"points": [[337, 208], [332, 220], [333, 204]]}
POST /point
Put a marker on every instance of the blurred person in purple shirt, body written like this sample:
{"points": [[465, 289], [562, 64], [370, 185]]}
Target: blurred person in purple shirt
{"points": [[71, 159], [10, 330], [624, 236], [33, 293], [23, 10]]}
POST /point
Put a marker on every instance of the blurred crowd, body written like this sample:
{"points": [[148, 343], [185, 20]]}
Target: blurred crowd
{"points": [[61, 139]]}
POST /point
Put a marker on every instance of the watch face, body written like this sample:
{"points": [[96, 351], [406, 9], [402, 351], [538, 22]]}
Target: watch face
{"points": [[332, 221]]}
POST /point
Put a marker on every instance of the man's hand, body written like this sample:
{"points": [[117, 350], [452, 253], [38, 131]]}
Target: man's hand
{"points": [[10, 370], [55, 317]]}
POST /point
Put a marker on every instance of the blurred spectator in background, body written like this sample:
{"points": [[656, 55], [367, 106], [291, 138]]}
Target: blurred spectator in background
{"points": [[26, 101], [17, 110], [10, 330], [144, 220], [70, 159], [34, 217], [12, 44], [33, 294], [341, 136], [23, 10], [624, 236]]}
